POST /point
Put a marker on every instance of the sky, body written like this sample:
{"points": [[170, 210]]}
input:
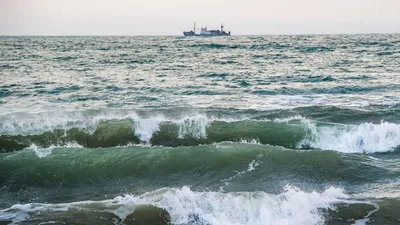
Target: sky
{"points": [[171, 17]]}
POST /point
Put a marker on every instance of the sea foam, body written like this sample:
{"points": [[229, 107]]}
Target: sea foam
{"points": [[363, 138], [185, 206]]}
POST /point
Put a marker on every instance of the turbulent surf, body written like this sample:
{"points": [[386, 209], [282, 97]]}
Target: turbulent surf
{"points": [[223, 131]]}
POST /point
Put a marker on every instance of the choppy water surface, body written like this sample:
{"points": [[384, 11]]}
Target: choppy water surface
{"points": [[210, 131]]}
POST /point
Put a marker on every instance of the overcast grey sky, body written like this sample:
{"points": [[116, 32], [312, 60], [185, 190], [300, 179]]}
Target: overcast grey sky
{"points": [[171, 17]]}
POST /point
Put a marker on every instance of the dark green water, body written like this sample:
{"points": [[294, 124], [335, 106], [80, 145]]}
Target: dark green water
{"points": [[207, 131]]}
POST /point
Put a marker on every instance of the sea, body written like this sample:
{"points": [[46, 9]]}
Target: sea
{"points": [[239, 130]]}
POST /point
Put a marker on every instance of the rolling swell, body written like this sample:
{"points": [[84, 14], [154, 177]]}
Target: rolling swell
{"points": [[187, 132], [228, 165], [291, 132], [241, 179]]}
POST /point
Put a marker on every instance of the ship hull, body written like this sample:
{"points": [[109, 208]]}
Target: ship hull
{"points": [[189, 33], [212, 35]]}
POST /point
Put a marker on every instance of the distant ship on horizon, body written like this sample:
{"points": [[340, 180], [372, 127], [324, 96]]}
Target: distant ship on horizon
{"points": [[207, 33]]}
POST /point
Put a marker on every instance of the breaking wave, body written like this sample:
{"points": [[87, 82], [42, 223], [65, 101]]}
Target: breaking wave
{"points": [[363, 138], [184, 206], [119, 130]]}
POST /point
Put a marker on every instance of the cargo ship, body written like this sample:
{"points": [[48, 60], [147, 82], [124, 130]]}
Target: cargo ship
{"points": [[204, 32]]}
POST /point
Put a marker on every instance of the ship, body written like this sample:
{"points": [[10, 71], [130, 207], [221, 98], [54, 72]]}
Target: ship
{"points": [[204, 32]]}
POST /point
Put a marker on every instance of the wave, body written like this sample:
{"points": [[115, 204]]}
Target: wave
{"points": [[363, 138], [184, 206], [158, 130], [221, 166], [110, 130]]}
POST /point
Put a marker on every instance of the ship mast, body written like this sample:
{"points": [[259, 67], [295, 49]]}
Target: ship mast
{"points": [[194, 27], [222, 27]]}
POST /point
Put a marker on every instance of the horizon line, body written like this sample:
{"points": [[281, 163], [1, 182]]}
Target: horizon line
{"points": [[176, 35]]}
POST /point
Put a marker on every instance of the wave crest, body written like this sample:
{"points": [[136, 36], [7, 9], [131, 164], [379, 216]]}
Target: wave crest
{"points": [[363, 138]]}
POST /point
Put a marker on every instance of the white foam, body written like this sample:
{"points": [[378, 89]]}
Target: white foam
{"points": [[15, 217], [292, 118], [21, 212], [361, 221], [251, 141], [292, 206], [44, 152], [48, 222], [253, 165], [145, 128], [363, 138], [195, 126]]}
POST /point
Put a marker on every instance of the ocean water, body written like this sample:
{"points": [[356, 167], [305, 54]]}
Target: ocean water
{"points": [[244, 130]]}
